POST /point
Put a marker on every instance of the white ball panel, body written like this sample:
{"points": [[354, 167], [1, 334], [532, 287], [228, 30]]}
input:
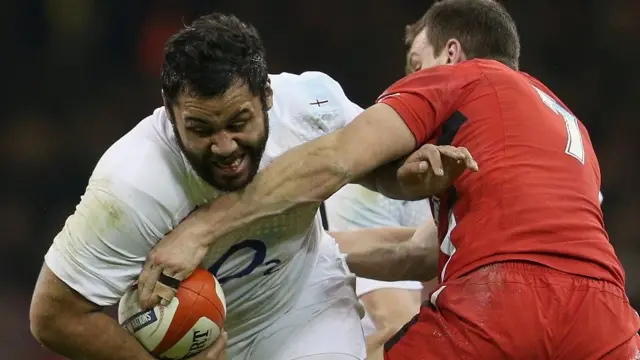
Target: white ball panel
{"points": [[201, 336], [150, 326], [220, 294]]}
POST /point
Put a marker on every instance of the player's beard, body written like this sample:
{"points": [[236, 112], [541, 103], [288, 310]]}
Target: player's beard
{"points": [[204, 168]]}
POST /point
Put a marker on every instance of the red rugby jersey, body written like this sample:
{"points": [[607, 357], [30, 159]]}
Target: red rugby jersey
{"points": [[536, 195]]}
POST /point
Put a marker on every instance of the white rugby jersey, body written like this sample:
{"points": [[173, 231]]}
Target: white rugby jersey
{"points": [[355, 207], [143, 186]]}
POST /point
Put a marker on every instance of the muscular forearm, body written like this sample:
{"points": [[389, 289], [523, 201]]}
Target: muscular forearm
{"points": [[391, 262], [384, 180], [304, 176], [413, 259], [363, 239], [299, 180], [93, 336]]}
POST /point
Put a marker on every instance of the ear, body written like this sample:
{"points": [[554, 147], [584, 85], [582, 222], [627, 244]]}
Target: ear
{"points": [[167, 106], [269, 95], [454, 52]]}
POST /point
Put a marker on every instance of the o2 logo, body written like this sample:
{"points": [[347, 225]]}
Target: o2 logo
{"points": [[258, 262]]}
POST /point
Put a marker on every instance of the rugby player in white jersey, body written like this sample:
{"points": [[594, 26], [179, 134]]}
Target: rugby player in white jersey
{"points": [[388, 305], [289, 293]]}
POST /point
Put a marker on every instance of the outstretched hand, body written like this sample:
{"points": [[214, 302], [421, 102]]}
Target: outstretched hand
{"points": [[432, 169]]}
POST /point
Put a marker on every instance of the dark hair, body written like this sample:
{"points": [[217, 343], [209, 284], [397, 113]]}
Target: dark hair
{"points": [[484, 28], [210, 55]]}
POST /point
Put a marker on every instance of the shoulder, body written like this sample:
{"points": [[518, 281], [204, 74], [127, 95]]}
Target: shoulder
{"points": [[310, 104], [542, 89], [309, 82], [145, 161]]}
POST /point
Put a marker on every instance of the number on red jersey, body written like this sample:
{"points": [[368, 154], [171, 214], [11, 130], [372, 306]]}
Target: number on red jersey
{"points": [[575, 147]]}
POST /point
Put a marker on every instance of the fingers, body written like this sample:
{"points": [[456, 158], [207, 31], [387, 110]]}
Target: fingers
{"points": [[180, 275], [164, 293], [147, 284], [424, 158], [461, 154], [469, 161], [166, 288], [158, 284], [433, 156], [413, 168]]}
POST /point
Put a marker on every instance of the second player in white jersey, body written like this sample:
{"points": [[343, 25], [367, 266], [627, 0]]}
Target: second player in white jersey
{"points": [[289, 293], [355, 207]]}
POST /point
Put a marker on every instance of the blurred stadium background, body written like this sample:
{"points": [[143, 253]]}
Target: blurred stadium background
{"points": [[77, 74]]}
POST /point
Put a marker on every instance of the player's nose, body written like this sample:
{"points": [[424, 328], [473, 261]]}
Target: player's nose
{"points": [[223, 145]]}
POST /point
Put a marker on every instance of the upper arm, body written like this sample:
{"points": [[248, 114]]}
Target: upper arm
{"points": [[374, 138], [405, 116], [53, 301], [101, 249]]}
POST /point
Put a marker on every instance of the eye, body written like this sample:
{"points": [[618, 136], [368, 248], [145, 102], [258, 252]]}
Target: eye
{"points": [[237, 125], [200, 131]]}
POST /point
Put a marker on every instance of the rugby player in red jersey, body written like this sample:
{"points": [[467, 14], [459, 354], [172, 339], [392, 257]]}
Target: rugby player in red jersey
{"points": [[526, 268]]}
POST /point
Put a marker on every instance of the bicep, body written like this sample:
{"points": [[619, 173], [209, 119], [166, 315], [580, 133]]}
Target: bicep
{"points": [[374, 138], [56, 306], [53, 298]]}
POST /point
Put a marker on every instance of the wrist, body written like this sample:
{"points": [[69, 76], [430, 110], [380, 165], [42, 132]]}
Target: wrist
{"points": [[216, 218]]}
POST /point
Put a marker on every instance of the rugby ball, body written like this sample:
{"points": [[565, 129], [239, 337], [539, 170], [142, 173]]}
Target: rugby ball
{"points": [[186, 326]]}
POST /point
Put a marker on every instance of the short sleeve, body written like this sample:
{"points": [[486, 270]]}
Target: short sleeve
{"points": [[425, 99], [104, 243]]}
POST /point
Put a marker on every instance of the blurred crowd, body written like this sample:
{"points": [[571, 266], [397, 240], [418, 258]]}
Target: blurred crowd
{"points": [[78, 74]]}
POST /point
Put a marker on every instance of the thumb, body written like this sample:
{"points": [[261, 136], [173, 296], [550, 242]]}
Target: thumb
{"points": [[413, 169]]}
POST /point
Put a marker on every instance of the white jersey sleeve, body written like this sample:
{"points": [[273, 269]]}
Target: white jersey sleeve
{"points": [[103, 245]]}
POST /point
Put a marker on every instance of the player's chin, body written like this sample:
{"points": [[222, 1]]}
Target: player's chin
{"points": [[226, 181]]}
